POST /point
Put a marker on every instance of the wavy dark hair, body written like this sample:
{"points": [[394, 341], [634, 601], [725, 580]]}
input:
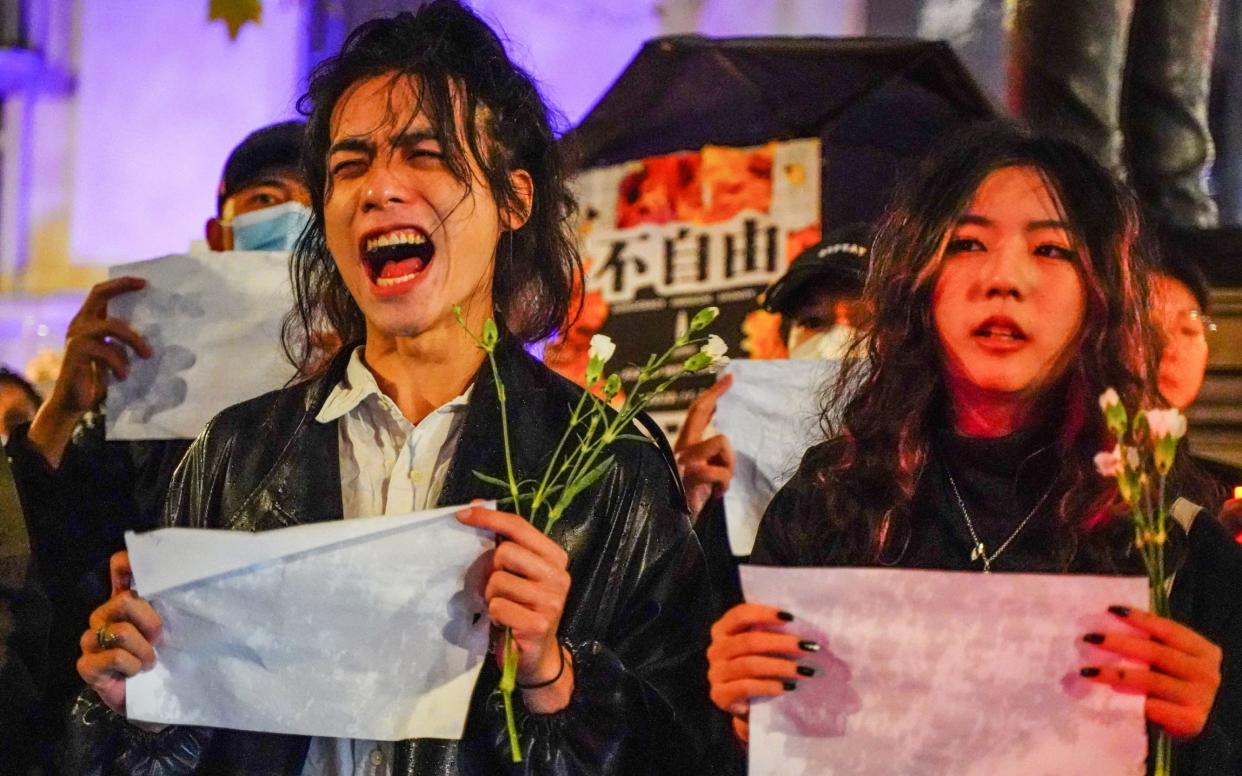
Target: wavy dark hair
{"points": [[469, 89], [892, 402]]}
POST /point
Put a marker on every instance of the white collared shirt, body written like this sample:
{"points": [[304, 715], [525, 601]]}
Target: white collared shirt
{"points": [[389, 466]]}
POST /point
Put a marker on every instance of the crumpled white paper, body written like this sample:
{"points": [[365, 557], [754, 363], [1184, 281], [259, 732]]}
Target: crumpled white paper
{"points": [[771, 416], [213, 321], [372, 628], [947, 672]]}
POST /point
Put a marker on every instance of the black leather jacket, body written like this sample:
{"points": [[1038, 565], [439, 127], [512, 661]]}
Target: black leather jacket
{"points": [[636, 619]]}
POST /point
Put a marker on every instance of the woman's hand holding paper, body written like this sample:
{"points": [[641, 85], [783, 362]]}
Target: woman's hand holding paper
{"points": [[748, 659], [1182, 676]]}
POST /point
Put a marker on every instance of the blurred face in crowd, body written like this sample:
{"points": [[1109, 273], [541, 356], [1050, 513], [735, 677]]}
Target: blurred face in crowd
{"points": [[1009, 301], [409, 238], [273, 187], [1184, 357], [16, 408]]}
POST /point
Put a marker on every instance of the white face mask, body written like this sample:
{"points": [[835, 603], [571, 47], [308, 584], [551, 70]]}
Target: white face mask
{"points": [[831, 343]]}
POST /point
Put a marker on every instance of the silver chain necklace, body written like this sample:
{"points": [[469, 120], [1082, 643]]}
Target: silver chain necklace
{"points": [[980, 552]]}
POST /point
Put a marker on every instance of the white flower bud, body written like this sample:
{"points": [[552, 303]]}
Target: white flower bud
{"points": [[602, 347]]}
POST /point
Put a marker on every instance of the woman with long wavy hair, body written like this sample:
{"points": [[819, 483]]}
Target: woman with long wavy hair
{"points": [[1007, 291]]}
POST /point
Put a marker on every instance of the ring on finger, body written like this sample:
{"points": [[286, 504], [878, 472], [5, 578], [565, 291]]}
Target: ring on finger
{"points": [[105, 640]]}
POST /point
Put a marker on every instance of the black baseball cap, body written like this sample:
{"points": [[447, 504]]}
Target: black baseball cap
{"points": [[273, 147], [836, 264]]}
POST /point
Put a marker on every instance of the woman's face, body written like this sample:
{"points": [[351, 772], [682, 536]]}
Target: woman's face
{"points": [[1008, 302]]}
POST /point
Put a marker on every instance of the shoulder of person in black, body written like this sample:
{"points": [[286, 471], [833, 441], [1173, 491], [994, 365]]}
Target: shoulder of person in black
{"points": [[77, 516]]}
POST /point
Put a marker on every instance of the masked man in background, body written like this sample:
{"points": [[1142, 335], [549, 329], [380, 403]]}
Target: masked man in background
{"points": [[81, 493], [817, 299]]}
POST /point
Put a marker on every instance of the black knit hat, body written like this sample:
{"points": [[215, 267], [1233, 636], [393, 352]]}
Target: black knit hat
{"points": [[836, 264], [278, 146]]}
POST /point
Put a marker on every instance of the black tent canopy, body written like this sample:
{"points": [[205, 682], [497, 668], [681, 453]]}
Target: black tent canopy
{"points": [[875, 103]]}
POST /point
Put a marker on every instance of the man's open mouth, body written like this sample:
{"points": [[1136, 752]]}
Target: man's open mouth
{"points": [[397, 256]]}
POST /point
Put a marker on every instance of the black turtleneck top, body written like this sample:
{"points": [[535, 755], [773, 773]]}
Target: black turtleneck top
{"points": [[1007, 486]]}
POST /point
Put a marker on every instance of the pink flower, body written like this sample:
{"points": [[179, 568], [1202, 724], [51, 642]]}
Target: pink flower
{"points": [[1166, 423], [1109, 463]]}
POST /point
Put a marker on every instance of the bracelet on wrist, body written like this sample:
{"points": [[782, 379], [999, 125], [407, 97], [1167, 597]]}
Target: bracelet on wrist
{"points": [[560, 648]]}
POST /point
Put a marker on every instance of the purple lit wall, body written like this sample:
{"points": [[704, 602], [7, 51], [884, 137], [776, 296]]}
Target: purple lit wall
{"points": [[163, 96]]}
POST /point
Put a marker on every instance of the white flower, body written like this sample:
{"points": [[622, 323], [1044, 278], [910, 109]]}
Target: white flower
{"points": [[1166, 423], [1132, 458], [1108, 399], [602, 347], [716, 348], [1109, 463]]}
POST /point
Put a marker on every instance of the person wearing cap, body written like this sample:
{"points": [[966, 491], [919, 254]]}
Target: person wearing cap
{"points": [[81, 493], [818, 297], [262, 202], [818, 301]]}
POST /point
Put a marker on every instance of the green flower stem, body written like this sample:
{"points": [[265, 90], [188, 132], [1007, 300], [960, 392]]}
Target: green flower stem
{"points": [[586, 463], [654, 364], [508, 682], [584, 458], [574, 419], [1164, 754], [1162, 531], [570, 465], [504, 434], [508, 675]]}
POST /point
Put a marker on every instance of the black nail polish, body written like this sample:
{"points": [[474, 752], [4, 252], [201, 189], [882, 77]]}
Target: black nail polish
{"points": [[808, 646], [806, 670], [1094, 638], [1090, 672], [1120, 611], [790, 686], [786, 616]]}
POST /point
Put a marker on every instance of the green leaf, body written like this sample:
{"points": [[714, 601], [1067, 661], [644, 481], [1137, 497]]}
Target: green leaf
{"points": [[636, 438], [585, 481], [491, 480]]}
